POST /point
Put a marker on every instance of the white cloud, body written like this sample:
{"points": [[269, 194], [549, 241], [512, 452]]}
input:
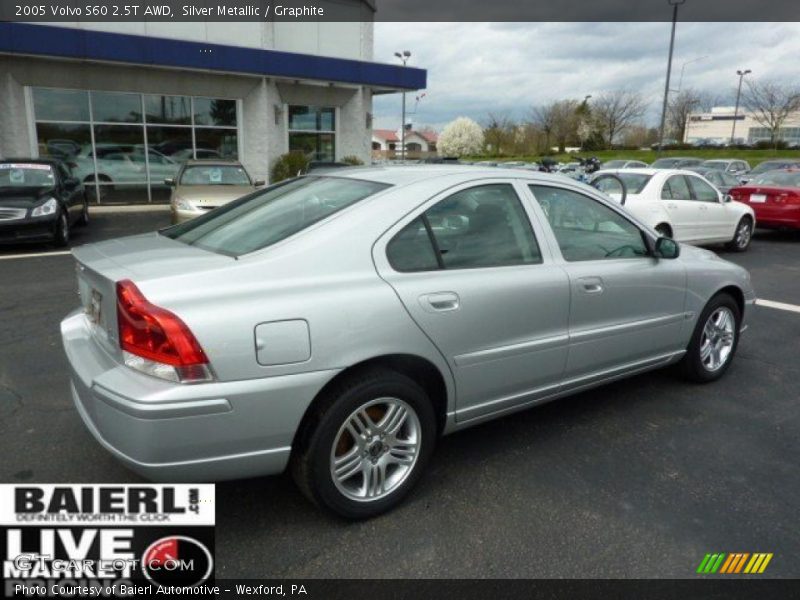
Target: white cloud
{"points": [[474, 68]]}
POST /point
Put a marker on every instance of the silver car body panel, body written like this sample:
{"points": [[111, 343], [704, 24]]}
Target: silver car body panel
{"points": [[508, 337]]}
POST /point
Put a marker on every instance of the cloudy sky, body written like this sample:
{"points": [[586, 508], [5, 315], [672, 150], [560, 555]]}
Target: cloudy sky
{"points": [[474, 68]]}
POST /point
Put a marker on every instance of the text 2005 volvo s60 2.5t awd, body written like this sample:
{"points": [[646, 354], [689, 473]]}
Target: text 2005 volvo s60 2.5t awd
{"points": [[339, 324]]}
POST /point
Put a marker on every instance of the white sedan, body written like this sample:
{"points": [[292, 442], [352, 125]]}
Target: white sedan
{"points": [[682, 205]]}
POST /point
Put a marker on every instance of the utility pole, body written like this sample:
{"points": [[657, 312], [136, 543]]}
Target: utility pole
{"points": [[741, 75], [674, 4], [404, 56]]}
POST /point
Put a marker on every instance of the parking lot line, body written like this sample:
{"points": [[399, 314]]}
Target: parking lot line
{"points": [[778, 305], [36, 254]]}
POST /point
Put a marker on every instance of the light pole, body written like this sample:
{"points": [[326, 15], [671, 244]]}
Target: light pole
{"points": [[683, 66], [741, 75], [404, 56], [674, 4]]}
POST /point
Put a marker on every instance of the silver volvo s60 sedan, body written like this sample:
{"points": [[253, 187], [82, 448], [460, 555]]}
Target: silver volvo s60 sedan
{"points": [[339, 324]]}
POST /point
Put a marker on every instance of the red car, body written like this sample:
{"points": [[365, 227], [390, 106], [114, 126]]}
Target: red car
{"points": [[774, 197]]}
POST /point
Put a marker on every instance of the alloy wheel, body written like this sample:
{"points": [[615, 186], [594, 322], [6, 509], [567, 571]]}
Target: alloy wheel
{"points": [[743, 234], [716, 343], [375, 449]]}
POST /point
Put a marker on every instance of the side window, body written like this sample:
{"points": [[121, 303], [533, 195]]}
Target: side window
{"points": [[714, 177], [484, 226], [676, 188], [412, 249], [587, 229], [702, 191]]}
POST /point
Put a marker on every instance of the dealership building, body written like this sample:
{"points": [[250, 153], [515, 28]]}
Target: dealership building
{"points": [[124, 104], [722, 122]]}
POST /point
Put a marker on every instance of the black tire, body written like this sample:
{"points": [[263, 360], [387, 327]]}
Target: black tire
{"points": [[61, 230], [692, 365], [83, 221], [311, 459], [742, 236], [664, 230]]}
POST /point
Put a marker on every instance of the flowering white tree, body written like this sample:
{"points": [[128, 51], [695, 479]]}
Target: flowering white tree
{"points": [[461, 137]]}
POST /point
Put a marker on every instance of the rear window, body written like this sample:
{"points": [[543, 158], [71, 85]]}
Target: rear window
{"points": [[267, 217], [778, 179], [634, 183]]}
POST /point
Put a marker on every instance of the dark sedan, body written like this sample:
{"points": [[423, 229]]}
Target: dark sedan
{"points": [[39, 201], [722, 180]]}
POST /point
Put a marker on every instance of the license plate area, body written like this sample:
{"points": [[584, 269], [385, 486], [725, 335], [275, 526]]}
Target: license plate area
{"points": [[758, 198]]}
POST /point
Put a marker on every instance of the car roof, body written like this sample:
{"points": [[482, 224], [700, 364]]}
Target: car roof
{"points": [[43, 161], [408, 174], [649, 171], [223, 162]]}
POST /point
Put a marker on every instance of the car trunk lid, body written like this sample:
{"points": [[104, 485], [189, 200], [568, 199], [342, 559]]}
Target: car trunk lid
{"points": [[142, 258]]}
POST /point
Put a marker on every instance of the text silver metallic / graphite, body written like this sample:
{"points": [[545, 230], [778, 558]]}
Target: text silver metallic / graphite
{"points": [[250, 10]]}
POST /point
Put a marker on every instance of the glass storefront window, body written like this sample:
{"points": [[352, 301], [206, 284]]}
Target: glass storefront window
{"points": [[216, 143], [61, 105], [311, 118], [316, 146], [116, 108], [168, 110], [139, 140], [63, 140], [210, 111]]}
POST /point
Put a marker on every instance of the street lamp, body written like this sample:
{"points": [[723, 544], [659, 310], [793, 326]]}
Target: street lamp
{"points": [[741, 75], [404, 56], [674, 4], [683, 67]]}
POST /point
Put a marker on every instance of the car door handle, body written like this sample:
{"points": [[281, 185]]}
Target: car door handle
{"points": [[671, 205], [703, 207], [591, 285], [440, 301]]}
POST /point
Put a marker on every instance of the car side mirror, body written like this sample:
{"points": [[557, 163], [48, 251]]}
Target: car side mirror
{"points": [[667, 248], [259, 182], [71, 183], [727, 198], [170, 182]]}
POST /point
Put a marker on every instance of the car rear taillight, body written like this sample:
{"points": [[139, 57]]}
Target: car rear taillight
{"points": [[155, 341], [790, 197]]}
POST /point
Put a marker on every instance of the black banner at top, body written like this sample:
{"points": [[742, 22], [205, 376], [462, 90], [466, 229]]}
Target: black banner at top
{"points": [[37, 11]]}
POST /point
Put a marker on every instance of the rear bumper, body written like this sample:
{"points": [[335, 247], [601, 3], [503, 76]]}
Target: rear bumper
{"points": [[172, 432], [39, 229], [778, 217]]}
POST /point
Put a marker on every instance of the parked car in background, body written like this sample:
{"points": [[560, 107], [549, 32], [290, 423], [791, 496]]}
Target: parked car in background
{"points": [[675, 162], [722, 180], [40, 200], [770, 165], [121, 164], [338, 325], [202, 185], [623, 164], [735, 167], [683, 205], [774, 196], [189, 154]]}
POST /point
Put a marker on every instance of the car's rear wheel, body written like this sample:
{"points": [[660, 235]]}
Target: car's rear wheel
{"points": [[84, 219], [61, 231], [365, 445], [743, 236], [714, 340]]}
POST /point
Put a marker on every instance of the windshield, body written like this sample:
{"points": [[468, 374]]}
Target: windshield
{"points": [[634, 184], [778, 179], [770, 165], [718, 165], [614, 164], [214, 175], [664, 163], [25, 175], [265, 218]]}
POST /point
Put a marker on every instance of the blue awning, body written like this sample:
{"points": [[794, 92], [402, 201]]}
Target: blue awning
{"points": [[83, 44]]}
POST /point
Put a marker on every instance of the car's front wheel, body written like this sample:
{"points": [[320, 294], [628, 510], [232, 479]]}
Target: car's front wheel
{"points": [[61, 231], [714, 340], [365, 445]]}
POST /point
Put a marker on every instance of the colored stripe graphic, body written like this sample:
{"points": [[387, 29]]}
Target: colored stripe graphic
{"points": [[734, 563]]}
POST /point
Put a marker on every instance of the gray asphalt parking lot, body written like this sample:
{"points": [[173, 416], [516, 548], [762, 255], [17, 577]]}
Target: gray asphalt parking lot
{"points": [[640, 478]]}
